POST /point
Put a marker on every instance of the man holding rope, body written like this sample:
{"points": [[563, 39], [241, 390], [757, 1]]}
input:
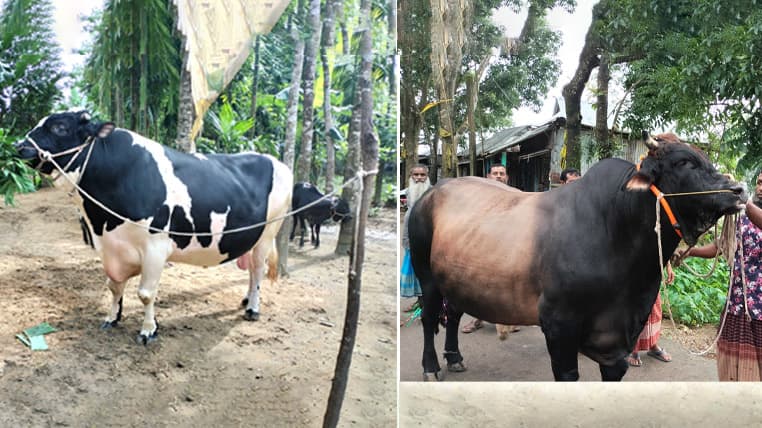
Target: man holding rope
{"points": [[739, 348]]}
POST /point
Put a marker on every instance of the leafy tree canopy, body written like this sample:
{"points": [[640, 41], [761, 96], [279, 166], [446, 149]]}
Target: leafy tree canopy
{"points": [[30, 64], [701, 67]]}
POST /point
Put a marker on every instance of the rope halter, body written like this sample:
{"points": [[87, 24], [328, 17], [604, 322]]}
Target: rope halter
{"points": [[664, 204], [46, 156]]}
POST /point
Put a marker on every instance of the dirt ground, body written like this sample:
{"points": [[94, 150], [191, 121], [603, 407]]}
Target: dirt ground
{"points": [[209, 366]]}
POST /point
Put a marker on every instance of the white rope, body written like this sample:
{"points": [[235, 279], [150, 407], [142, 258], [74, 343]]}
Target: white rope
{"points": [[48, 157], [657, 229]]}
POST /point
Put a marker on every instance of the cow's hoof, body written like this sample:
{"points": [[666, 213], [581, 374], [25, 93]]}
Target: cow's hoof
{"points": [[433, 377], [245, 302], [144, 339], [456, 367], [109, 324], [250, 315]]}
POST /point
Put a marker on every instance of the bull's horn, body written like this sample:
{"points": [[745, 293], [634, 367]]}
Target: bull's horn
{"points": [[649, 141]]}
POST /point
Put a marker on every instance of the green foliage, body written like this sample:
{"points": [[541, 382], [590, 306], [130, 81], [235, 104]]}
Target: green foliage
{"points": [[699, 66], [230, 133], [695, 300], [15, 175], [133, 69], [30, 64], [520, 79]]}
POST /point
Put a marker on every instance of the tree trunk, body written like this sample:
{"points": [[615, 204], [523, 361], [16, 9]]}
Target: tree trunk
{"points": [[341, 17], [447, 40], [352, 165], [119, 110], [185, 111], [328, 41], [433, 157], [410, 117], [471, 83], [308, 95], [572, 92], [379, 186], [143, 127], [254, 88], [357, 257], [289, 144], [605, 150], [392, 16]]}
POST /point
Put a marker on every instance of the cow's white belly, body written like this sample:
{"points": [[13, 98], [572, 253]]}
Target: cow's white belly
{"points": [[126, 248], [195, 254]]}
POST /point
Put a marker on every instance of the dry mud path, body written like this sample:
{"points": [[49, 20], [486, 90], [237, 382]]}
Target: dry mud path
{"points": [[209, 366]]}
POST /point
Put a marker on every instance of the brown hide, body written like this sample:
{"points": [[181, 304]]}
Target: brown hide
{"points": [[484, 262]]}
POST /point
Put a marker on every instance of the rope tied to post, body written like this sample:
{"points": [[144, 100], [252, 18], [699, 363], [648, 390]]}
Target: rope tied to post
{"points": [[361, 174]]}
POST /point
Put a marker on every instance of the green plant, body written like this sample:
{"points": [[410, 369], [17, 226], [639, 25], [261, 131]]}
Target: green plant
{"points": [[15, 175], [230, 133], [695, 300]]}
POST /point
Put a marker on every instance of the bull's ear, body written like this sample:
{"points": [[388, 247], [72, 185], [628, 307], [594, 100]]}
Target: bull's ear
{"points": [[639, 182], [84, 117], [104, 129]]}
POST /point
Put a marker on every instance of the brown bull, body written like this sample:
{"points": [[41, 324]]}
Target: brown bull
{"points": [[581, 261]]}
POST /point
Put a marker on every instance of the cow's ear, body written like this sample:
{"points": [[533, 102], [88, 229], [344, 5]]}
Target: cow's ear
{"points": [[104, 129]]}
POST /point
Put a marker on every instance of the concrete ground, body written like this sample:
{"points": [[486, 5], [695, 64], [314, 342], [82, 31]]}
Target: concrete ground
{"points": [[524, 357]]}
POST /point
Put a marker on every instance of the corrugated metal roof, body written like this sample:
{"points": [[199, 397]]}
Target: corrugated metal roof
{"points": [[512, 136]]}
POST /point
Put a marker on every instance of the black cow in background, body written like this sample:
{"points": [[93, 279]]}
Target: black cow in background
{"points": [[333, 207]]}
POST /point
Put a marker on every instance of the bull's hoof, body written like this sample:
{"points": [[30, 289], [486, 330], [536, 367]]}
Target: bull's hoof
{"points": [[433, 377], [245, 302], [456, 367], [109, 324], [144, 339], [250, 315]]}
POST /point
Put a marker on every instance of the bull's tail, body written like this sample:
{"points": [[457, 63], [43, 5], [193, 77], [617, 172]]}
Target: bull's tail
{"points": [[272, 262], [420, 232]]}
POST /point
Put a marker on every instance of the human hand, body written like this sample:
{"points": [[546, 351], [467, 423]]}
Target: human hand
{"points": [[670, 274], [677, 258]]}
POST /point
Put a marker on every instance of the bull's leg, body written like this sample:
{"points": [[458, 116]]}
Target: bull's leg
{"points": [[432, 304], [452, 353], [562, 339], [293, 227], [256, 273], [147, 291], [115, 312], [615, 372], [317, 235], [301, 231]]}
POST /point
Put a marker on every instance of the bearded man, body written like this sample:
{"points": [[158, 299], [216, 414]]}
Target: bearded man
{"points": [[418, 184]]}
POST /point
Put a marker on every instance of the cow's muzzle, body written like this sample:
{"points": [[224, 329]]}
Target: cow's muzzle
{"points": [[25, 150]]}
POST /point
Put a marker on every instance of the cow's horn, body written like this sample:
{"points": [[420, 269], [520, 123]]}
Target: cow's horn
{"points": [[649, 141]]}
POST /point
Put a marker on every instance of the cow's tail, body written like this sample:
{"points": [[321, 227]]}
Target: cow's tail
{"points": [[272, 262]]}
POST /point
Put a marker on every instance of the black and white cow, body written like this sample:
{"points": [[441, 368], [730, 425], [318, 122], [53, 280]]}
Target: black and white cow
{"points": [[334, 208], [156, 186]]}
